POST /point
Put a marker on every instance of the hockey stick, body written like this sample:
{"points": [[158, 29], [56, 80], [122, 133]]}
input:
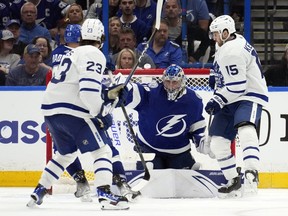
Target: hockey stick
{"points": [[146, 176], [156, 28]]}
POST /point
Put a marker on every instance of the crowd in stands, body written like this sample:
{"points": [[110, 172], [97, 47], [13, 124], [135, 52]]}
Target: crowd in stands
{"points": [[131, 22]]}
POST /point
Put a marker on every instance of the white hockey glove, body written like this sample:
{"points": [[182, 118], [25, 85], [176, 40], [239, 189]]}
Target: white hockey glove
{"points": [[204, 147]]}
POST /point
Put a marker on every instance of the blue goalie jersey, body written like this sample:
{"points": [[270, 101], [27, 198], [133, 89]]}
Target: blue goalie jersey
{"points": [[167, 126]]}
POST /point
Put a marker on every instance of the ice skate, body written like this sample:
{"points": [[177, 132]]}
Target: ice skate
{"points": [[251, 181], [125, 189], [37, 196], [231, 189], [110, 201], [83, 188]]}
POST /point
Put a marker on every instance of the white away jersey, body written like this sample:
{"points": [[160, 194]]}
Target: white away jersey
{"points": [[238, 73], [75, 88]]}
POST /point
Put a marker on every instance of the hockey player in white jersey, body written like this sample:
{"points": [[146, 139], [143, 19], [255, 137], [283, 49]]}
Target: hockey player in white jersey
{"points": [[170, 115], [240, 93], [72, 107]]}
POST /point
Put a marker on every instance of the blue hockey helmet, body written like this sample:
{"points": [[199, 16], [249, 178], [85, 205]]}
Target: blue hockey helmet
{"points": [[72, 33], [174, 81]]}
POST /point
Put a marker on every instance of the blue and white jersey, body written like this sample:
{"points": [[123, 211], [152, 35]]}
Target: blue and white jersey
{"points": [[75, 88], [58, 53], [48, 11], [238, 73], [167, 126]]}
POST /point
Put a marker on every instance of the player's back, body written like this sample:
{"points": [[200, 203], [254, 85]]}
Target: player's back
{"points": [[75, 88]]}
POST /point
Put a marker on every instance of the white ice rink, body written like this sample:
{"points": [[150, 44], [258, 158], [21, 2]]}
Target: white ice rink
{"points": [[269, 202]]}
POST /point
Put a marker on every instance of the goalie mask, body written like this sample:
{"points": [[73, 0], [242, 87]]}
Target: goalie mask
{"points": [[221, 23], [93, 29], [174, 81], [72, 33]]}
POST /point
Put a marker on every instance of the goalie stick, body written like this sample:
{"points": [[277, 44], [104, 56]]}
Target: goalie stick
{"points": [[146, 176], [156, 28]]}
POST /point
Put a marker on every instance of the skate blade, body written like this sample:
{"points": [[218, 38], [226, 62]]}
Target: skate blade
{"points": [[232, 194], [31, 203], [86, 198], [107, 205]]}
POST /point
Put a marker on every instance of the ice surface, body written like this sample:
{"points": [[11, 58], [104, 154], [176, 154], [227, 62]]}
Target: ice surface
{"points": [[268, 202]]}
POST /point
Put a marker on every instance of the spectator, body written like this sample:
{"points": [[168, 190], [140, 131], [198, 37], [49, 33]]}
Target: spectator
{"points": [[277, 75], [95, 10], [29, 29], [4, 13], [127, 39], [129, 20], [172, 13], [158, 106], [31, 73], [163, 51], [48, 12], [74, 14], [126, 59], [114, 31], [14, 26], [8, 60], [197, 29], [146, 11], [45, 49]]}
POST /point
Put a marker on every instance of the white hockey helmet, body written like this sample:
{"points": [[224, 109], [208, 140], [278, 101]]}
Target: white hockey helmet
{"points": [[221, 23], [92, 29]]}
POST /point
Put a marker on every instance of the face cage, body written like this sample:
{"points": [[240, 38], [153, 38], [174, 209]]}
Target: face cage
{"points": [[173, 94]]}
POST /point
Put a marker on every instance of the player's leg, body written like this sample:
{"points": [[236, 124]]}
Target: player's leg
{"points": [[247, 119], [222, 132], [82, 186], [63, 129], [97, 143], [119, 177]]}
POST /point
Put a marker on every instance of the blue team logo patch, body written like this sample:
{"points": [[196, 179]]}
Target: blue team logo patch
{"points": [[171, 126]]}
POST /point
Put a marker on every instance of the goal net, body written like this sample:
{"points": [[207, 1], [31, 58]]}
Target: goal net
{"points": [[197, 79]]}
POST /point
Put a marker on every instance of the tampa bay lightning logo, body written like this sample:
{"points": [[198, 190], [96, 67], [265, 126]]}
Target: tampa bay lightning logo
{"points": [[171, 126]]}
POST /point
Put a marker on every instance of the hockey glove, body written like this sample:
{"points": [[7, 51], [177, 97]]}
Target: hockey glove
{"points": [[115, 92], [104, 121], [214, 105]]}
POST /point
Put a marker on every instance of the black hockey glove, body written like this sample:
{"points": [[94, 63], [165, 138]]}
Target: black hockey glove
{"points": [[214, 105], [117, 92], [104, 121]]}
